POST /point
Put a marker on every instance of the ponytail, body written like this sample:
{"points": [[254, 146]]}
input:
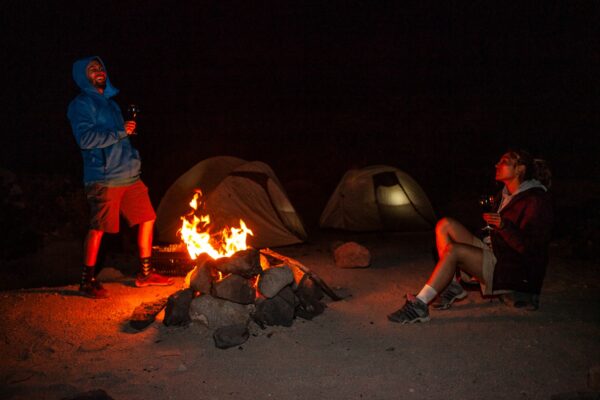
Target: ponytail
{"points": [[542, 172], [535, 168]]}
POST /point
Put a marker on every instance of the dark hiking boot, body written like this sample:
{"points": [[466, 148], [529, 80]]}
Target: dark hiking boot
{"points": [[414, 310], [453, 292], [152, 279], [93, 289]]}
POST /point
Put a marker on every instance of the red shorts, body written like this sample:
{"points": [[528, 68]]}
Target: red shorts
{"points": [[107, 202]]}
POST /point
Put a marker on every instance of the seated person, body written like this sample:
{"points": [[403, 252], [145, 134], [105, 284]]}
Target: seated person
{"points": [[517, 256]]}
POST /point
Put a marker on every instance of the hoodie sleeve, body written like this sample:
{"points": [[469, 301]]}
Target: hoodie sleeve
{"points": [[533, 230], [86, 130]]}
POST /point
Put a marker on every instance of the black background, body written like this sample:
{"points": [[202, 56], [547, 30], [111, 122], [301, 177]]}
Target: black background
{"points": [[439, 90]]}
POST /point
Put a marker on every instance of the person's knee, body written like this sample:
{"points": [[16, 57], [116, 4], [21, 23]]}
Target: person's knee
{"points": [[451, 250], [94, 234], [443, 226], [146, 225]]}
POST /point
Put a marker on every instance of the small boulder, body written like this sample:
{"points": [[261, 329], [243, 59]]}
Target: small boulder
{"points": [[352, 255], [203, 275], [278, 310], [216, 313], [274, 279], [177, 311], [245, 263], [231, 335], [234, 288]]}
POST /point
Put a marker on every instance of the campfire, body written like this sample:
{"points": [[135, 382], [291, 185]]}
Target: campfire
{"points": [[232, 284]]}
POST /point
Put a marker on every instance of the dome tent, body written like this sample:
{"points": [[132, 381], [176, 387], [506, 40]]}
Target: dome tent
{"points": [[233, 189], [376, 198]]}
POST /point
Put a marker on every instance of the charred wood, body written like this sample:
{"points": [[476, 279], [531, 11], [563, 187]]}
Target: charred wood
{"points": [[145, 314]]}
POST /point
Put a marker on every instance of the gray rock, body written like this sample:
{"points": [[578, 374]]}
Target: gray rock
{"points": [[274, 279], [278, 310], [234, 288], [231, 335], [177, 311], [216, 313], [309, 295], [203, 275], [352, 255], [245, 263]]}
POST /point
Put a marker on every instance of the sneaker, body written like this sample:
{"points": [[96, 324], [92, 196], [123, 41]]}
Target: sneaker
{"points": [[93, 289], [153, 279], [414, 310], [453, 292]]}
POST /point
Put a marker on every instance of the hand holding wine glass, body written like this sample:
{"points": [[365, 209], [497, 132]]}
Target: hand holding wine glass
{"points": [[488, 204], [130, 124]]}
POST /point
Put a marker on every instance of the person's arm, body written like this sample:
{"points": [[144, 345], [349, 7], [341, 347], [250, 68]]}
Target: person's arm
{"points": [[535, 227], [87, 134]]}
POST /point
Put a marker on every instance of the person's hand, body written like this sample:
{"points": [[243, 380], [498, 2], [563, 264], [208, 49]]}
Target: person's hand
{"points": [[130, 127], [493, 219]]}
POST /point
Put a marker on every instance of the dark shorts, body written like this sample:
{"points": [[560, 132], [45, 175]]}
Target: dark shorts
{"points": [[107, 203]]}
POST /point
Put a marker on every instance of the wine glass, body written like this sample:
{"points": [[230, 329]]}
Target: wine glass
{"points": [[132, 112], [488, 204]]}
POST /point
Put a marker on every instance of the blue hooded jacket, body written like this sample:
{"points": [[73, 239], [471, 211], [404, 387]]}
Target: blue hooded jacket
{"points": [[98, 127]]}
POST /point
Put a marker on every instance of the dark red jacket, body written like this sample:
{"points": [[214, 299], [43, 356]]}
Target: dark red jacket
{"points": [[521, 246]]}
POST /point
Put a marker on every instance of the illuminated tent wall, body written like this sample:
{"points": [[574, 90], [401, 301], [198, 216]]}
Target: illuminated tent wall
{"points": [[376, 198], [233, 189]]}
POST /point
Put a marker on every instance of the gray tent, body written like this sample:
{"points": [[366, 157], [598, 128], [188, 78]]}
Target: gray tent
{"points": [[376, 198], [233, 189]]}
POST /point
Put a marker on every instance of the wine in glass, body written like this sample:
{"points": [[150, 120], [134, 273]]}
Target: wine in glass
{"points": [[488, 204], [132, 113]]}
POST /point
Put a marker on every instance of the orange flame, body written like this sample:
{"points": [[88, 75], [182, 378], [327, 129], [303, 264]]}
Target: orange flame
{"points": [[195, 234]]}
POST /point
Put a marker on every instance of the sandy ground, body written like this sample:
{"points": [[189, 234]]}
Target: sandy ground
{"points": [[56, 344]]}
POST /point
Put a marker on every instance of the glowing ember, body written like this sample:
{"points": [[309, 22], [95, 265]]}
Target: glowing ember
{"points": [[195, 234]]}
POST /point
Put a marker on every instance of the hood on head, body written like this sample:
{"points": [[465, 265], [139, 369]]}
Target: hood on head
{"points": [[80, 77]]}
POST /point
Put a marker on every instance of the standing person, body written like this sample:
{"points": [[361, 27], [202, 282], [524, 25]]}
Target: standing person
{"points": [[520, 237], [111, 173]]}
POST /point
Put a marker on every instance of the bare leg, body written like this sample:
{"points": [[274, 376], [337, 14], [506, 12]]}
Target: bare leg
{"points": [[145, 233], [91, 246], [468, 258], [146, 277], [449, 231]]}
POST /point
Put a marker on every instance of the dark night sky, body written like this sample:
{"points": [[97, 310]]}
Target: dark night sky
{"points": [[313, 88]]}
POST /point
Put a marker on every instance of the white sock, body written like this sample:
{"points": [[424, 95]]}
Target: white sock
{"points": [[427, 294]]}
